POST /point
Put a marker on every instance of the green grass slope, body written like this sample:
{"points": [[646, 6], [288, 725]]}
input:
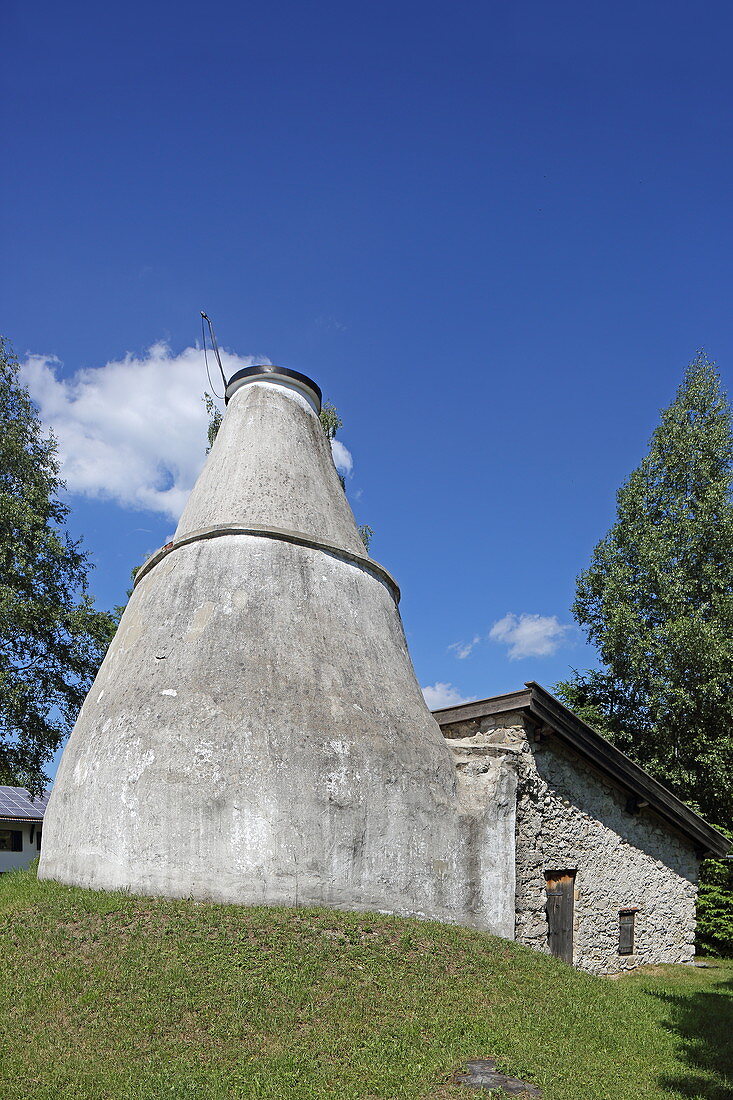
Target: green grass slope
{"points": [[112, 996]]}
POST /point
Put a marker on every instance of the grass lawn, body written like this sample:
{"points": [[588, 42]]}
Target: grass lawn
{"points": [[108, 996]]}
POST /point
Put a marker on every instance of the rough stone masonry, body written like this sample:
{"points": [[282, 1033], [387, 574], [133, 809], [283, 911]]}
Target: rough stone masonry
{"points": [[567, 816]]}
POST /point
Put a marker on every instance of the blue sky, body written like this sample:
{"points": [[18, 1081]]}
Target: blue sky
{"points": [[495, 234]]}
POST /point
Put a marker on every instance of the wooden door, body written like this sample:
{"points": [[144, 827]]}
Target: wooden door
{"points": [[560, 910]]}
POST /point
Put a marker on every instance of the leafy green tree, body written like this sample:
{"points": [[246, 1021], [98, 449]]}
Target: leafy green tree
{"points": [[51, 637], [330, 420], [715, 906], [215, 418], [366, 533], [657, 601]]}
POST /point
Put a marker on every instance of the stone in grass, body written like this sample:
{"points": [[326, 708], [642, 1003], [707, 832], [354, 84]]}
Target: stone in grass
{"points": [[483, 1074]]}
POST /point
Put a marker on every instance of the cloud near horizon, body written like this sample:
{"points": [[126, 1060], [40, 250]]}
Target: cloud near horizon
{"points": [[439, 695], [134, 430], [529, 635]]}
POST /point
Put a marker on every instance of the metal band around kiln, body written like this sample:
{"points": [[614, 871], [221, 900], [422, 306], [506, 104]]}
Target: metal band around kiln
{"points": [[280, 533]]}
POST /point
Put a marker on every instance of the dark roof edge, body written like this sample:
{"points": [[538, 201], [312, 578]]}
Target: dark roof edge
{"points": [[497, 704], [543, 707]]}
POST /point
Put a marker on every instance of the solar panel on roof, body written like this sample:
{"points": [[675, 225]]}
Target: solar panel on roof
{"points": [[17, 802]]}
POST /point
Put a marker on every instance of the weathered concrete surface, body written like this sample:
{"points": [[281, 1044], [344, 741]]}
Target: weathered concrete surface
{"points": [[271, 464], [256, 733], [487, 802]]}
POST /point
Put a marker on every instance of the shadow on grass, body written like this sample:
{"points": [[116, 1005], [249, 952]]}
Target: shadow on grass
{"points": [[703, 1022]]}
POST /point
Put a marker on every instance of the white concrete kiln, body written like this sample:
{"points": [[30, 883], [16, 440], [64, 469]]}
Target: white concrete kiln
{"points": [[256, 733]]}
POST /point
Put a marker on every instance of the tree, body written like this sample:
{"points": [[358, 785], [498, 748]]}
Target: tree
{"points": [[657, 601], [52, 639], [330, 420], [715, 906], [215, 418]]}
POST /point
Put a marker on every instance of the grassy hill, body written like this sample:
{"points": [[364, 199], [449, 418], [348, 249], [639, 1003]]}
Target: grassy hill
{"points": [[112, 996]]}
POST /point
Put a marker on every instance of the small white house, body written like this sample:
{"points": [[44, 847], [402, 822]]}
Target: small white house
{"points": [[21, 821]]}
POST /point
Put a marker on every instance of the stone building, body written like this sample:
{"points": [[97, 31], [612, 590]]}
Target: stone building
{"points": [[606, 859], [256, 734]]}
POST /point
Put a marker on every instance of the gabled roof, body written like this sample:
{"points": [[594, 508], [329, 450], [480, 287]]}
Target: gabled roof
{"points": [[539, 706], [17, 804]]}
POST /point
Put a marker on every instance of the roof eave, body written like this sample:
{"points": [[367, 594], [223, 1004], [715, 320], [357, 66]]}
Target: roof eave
{"points": [[605, 756], [542, 707], [497, 704]]}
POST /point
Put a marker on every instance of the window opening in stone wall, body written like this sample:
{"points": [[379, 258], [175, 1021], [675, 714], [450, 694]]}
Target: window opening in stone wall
{"points": [[626, 927], [11, 840], [560, 909]]}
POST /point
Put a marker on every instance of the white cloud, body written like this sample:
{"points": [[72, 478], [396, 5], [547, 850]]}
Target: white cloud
{"points": [[134, 430], [464, 648], [439, 695], [529, 635], [342, 457]]}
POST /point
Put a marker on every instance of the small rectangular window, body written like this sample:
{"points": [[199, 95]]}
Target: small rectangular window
{"points": [[11, 840], [626, 920], [38, 838]]}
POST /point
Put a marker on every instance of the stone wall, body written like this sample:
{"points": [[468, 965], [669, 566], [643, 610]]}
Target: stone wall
{"points": [[570, 818]]}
